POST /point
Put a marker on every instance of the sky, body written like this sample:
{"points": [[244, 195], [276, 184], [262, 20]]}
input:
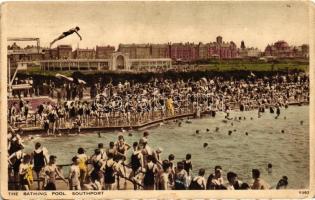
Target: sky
{"points": [[111, 23]]}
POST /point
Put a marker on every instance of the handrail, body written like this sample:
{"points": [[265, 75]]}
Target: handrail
{"points": [[30, 123]]}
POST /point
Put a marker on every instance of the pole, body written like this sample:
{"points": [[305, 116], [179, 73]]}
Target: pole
{"points": [[9, 78]]}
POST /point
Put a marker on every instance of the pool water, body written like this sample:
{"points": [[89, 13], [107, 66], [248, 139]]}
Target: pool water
{"points": [[288, 152]]}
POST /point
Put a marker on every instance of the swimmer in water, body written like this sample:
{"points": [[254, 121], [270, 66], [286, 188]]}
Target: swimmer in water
{"points": [[99, 134], [278, 111], [179, 124], [269, 168], [217, 129], [197, 131], [301, 122], [283, 183], [246, 133], [205, 145], [230, 132], [207, 130], [282, 131]]}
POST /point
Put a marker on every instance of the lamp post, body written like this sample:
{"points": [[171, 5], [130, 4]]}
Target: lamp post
{"points": [[9, 79]]}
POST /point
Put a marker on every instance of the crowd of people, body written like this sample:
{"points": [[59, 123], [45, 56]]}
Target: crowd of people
{"points": [[131, 104], [144, 168]]}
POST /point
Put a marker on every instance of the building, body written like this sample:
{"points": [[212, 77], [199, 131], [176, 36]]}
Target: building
{"points": [[51, 54], [160, 51], [84, 54], [203, 51], [227, 50], [29, 53], [185, 52], [136, 51], [118, 62], [218, 49], [281, 49], [104, 52], [64, 51], [305, 50], [249, 53]]}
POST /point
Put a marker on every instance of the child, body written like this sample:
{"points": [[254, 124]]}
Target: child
{"points": [[26, 173], [74, 174]]}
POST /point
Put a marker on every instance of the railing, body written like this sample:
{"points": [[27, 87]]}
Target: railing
{"points": [[118, 120], [114, 119]]}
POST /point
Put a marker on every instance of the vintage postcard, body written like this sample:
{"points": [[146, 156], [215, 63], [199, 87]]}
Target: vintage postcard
{"points": [[157, 99]]}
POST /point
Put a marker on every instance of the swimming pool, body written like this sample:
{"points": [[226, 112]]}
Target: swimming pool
{"points": [[288, 152]]}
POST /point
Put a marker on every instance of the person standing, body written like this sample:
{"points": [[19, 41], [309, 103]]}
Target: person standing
{"points": [[15, 142], [110, 169], [50, 172], [136, 160], [17, 158], [215, 181], [26, 173], [233, 182], [181, 175], [258, 184], [82, 158], [157, 157], [198, 182], [97, 163], [163, 181], [150, 172], [187, 164], [74, 174], [40, 159]]}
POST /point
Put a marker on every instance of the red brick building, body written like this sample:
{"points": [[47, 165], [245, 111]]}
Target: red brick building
{"points": [[185, 52], [281, 49], [218, 49]]}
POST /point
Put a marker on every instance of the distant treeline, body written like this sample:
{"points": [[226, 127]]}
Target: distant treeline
{"points": [[116, 77]]}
